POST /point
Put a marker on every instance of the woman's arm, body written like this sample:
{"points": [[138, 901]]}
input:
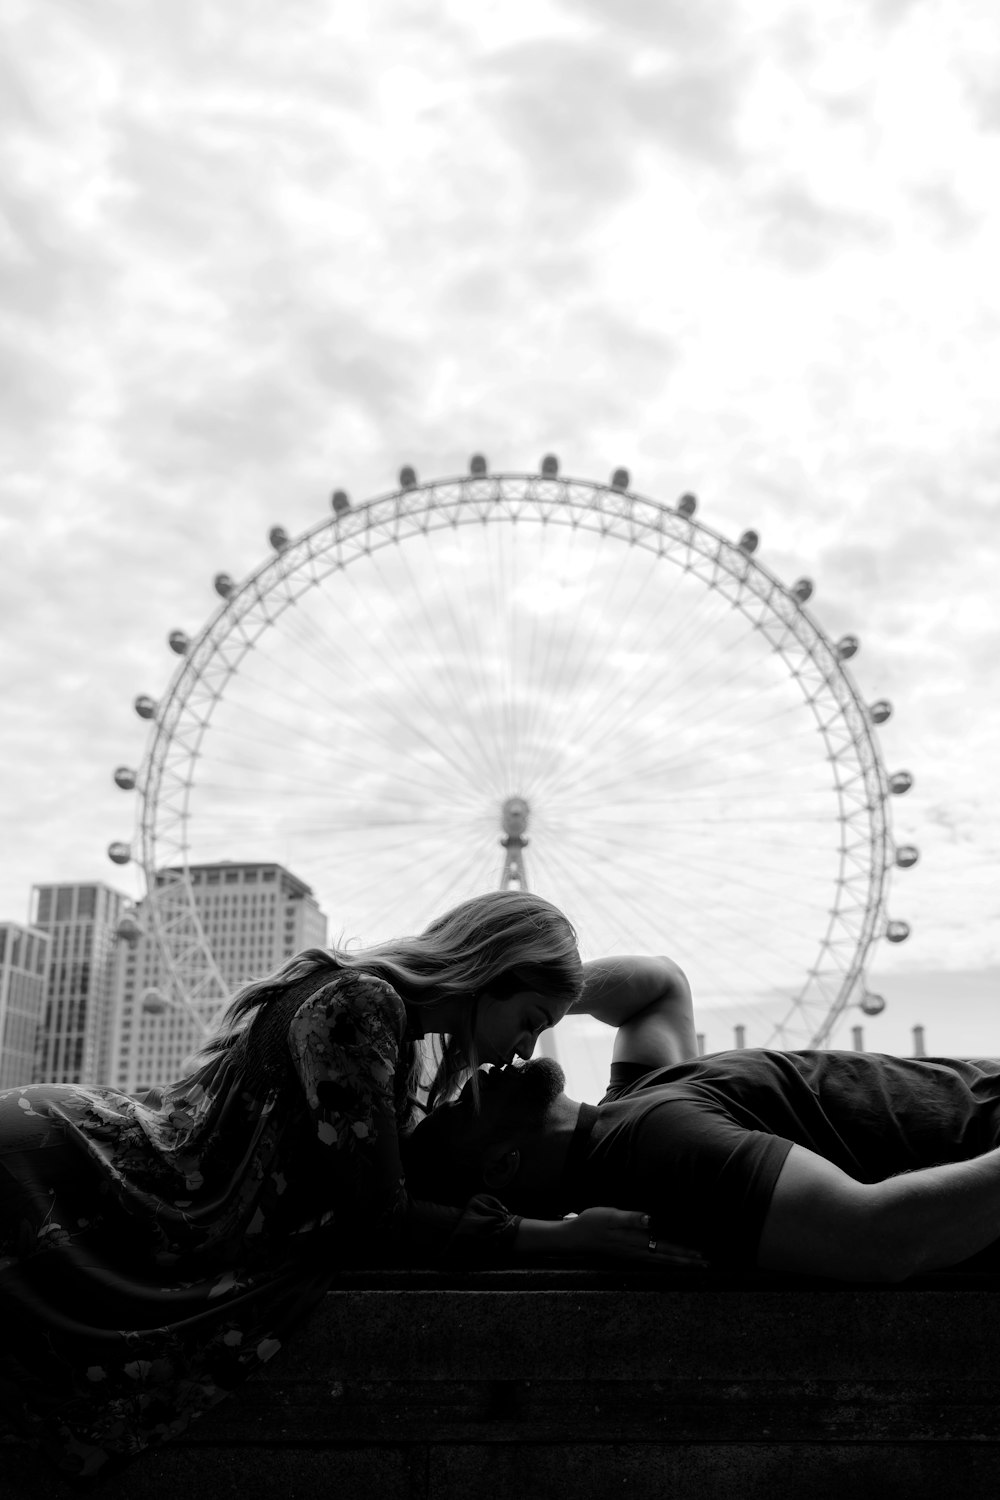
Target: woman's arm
{"points": [[602, 1234], [649, 1001]]}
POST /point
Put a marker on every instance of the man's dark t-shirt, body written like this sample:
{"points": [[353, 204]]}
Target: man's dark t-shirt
{"points": [[700, 1146]]}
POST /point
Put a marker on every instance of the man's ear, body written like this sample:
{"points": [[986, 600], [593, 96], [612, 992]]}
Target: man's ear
{"points": [[501, 1165]]}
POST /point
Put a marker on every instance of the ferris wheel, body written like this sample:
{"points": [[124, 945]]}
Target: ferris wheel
{"points": [[507, 678]]}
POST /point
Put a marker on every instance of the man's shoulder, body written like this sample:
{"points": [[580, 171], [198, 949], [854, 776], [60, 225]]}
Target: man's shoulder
{"points": [[635, 1089]]}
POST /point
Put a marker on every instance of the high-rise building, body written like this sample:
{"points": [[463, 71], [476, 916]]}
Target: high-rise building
{"points": [[82, 923], [24, 960], [254, 916]]}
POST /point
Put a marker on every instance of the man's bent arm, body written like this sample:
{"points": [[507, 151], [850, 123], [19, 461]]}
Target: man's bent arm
{"points": [[649, 1000], [823, 1223]]}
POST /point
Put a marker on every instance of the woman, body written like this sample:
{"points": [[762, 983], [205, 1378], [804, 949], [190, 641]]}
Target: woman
{"points": [[156, 1250]]}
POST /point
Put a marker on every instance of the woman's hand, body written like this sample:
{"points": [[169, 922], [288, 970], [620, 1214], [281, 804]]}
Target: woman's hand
{"points": [[614, 1234]]}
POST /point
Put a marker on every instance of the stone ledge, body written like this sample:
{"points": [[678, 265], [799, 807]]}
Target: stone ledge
{"points": [[413, 1385]]}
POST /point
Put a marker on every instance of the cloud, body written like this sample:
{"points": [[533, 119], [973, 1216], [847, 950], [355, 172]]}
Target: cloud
{"points": [[804, 234], [249, 262]]}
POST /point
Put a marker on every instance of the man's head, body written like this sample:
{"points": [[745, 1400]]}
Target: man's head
{"points": [[511, 1146]]}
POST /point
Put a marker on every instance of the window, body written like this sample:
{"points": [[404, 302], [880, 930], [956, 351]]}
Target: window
{"points": [[86, 901]]}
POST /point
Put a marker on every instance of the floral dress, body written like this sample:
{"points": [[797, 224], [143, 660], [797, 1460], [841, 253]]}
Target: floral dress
{"points": [[155, 1251]]}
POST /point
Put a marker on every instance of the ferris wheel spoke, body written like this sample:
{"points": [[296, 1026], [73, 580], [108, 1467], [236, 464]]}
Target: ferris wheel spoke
{"points": [[665, 870], [665, 652], [684, 807], [688, 777], [661, 751], [729, 883], [474, 678], [473, 697], [410, 691], [644, 856], [686, 724], [462, 885], [503, 580], [495, 626], [424, 874], [739, 779], [337, 757], [600, 724], [593, 651], [643, 925], [734, 704], [547, 663], [367, 731]]}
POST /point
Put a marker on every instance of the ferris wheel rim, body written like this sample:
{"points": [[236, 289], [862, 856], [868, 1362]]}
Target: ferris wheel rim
{"points": [[466, 500]]}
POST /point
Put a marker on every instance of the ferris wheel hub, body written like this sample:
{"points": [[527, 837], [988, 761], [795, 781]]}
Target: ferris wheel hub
{"points": [[514, 816], [514, 820]]}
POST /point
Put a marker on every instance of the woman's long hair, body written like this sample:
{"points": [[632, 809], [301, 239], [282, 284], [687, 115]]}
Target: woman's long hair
{"points": [[497, 944]]}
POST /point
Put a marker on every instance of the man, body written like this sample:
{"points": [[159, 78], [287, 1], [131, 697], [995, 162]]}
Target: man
{"points": [[850, 1165]]}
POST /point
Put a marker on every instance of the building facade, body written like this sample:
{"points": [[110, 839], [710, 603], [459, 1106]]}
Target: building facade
{"points": [[254, 916], [24, 962], [81, 922]]}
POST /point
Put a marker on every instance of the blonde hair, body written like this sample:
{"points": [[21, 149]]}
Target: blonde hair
{"points": [[498, 943]]}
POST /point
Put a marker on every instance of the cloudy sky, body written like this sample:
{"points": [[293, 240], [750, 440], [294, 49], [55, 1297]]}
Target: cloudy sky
{"points": [[747, 249]]}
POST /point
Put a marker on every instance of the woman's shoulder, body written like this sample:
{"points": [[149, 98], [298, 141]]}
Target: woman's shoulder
{"points": [[354, 994]]}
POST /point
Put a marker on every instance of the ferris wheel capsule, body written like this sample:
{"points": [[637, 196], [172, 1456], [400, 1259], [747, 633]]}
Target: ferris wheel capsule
{"points": [[881, 711], [179, 642], [119, 854], [223, 585], [129, 929], [897, 931], [278, 537], [872, 1005], [687, 505], [340, 502], [907, 856], [153, 1002], [477, 465], [125, 777], [749, 542], [145, 706], [550, 466], [900, 782], [620, 479], [407, 477], [802, 589], [847, 647]]}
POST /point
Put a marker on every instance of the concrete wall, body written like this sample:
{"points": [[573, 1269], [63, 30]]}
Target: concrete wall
{"points": [[414, 1386]]}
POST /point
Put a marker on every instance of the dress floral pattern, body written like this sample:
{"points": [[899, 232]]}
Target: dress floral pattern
{"points": [[155, 1251]]}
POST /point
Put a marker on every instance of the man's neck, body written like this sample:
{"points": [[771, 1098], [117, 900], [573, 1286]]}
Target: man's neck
{"points": [[551, 1146]]}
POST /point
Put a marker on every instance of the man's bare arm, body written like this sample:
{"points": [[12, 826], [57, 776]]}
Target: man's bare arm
{"points": [[649, 1001], [823, 1223]]}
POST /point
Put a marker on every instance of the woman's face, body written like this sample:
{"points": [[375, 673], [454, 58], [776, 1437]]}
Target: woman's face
{"points": [[510, 1027]]}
